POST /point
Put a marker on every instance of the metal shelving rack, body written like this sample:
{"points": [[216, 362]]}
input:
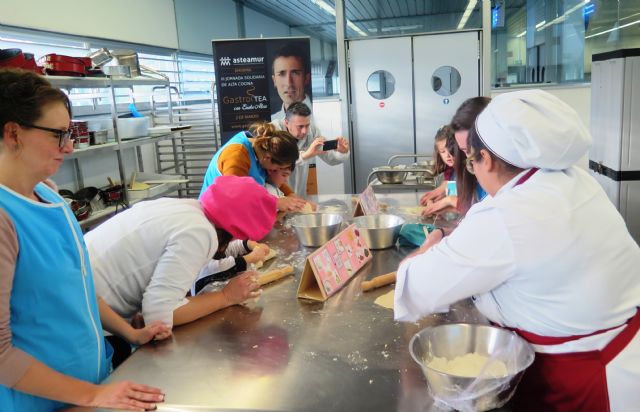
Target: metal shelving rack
{"points": [[68, 82], [190, 152]]}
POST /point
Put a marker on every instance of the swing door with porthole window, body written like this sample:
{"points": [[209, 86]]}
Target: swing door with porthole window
{"points": [[403, 89]]}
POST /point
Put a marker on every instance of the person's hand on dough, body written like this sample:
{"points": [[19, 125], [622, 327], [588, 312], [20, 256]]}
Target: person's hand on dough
{"points": [[242, 287]]}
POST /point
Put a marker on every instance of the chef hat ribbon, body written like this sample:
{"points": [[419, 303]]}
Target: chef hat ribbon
{"points": [[239, 205], [532, 128]]}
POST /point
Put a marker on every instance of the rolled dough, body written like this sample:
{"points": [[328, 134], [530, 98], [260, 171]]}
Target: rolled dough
{"points": [[272, 253], [386, 300]]}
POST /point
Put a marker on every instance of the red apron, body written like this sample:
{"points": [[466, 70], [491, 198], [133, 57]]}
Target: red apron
{"points": [[575, 381]]}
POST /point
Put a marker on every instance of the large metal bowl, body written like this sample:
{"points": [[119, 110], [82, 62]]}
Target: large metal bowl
{"points": [[379, 231], [389, 175], [316, 229], [458, 339]]}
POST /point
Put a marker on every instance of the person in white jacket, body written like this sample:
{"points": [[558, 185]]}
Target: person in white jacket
{"points": [[545, 254], [299, 123], [146, 258]]}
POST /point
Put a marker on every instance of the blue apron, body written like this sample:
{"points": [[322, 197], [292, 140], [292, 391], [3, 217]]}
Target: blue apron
{"points": [[256, 171], [53, 306]]}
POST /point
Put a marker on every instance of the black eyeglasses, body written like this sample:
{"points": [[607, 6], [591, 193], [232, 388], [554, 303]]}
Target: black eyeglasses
{"points": [[63, 135]]}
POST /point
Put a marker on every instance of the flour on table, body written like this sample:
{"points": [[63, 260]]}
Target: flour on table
{"points": [[412, 210], [386, 300], [272, 253], [469, 366]]}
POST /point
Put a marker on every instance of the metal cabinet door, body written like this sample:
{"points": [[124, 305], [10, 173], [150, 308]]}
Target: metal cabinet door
{"points": [[382, 127], [435, 56]]}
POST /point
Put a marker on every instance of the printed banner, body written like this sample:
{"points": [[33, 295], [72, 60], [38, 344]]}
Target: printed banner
{"points": [[256, 79]]}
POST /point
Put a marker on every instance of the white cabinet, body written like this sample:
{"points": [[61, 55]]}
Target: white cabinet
{"points": [[109, 158]]}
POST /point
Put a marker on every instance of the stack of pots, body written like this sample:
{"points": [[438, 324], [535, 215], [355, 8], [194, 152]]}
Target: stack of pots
{"points": [[80, 134]]}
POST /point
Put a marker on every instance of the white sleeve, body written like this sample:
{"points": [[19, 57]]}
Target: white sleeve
{"points": [[475, 258], [235, 248], [185, 254], [217, 265], [334, 157]]}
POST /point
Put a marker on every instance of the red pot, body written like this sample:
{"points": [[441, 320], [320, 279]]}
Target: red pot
{"points": [[16, 58], [60, 65]]}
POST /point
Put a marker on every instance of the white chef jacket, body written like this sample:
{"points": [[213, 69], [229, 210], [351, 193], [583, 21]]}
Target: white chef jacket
{"points": [[146, 258], [298, 178], [551, 256]]}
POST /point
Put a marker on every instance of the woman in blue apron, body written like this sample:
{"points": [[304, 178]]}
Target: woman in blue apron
{"points": [[253, 154], [52, 349], [546, 254]]}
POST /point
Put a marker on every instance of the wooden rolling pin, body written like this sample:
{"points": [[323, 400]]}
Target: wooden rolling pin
{"points": [[378, 281], [273, 275]]}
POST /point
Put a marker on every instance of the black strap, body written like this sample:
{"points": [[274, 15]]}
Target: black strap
{"points": [[617, 175]]}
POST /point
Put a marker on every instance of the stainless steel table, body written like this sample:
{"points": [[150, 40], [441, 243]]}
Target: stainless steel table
{"points": [[279, 353]]}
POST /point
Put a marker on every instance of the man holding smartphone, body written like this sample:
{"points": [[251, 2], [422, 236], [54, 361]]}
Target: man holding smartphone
{"points": [[299, 123]]}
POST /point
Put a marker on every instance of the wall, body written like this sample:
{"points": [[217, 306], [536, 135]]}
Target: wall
{"points": [[258, 25], [141, 21], [200, 21], [578, 97], [326, 115]]}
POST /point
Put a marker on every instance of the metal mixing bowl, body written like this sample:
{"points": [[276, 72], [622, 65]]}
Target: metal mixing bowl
{"points": [[387, 174], [459, 339], [316, 229], [379, 231]]}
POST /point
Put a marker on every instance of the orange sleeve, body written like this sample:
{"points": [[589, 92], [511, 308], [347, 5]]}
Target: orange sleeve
{"points": [[234, 160], [286, 190]]}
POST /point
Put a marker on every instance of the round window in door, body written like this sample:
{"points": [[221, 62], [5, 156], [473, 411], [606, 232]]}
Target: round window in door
{"points": [[381, 84], [446, 80]]}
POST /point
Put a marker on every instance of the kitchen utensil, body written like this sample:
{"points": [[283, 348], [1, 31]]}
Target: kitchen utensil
{"points": [[316, 229], [133, 185], [132, 127], [273, 275], [390, 175], [100, 57], [129, 58], [91, 195], [117, 71], [379, 231], [99, 136], [61, 65], [16, 58], [378, 281], [452, 340], [166, 181]]}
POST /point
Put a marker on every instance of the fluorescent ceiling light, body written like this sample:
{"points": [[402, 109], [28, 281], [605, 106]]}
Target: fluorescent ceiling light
{"points": [[356, 28], [540, 24], [467, 13], [522, 34], [324, 6], [332, 11], [614, 29]]}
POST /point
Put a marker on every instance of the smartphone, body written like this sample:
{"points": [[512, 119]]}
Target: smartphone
{"points": [[330, 145]]}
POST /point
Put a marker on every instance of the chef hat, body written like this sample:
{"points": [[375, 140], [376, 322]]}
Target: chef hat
{"points": [[532, 128], [240, 206]]}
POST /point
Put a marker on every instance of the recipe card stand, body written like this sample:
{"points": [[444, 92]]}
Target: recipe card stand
{"points": [[330, 267], [367, 203]]}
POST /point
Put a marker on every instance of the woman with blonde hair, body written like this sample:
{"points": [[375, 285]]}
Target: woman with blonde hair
{"points": [[254, 153]]}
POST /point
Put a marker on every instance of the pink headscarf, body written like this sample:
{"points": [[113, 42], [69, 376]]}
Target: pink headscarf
{"points": [[239, 205]]}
